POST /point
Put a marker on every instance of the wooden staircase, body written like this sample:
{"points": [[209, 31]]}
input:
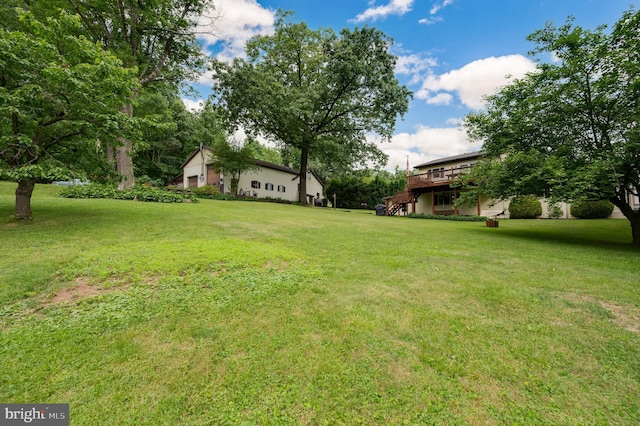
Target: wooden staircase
{"points": [[396, 202]]}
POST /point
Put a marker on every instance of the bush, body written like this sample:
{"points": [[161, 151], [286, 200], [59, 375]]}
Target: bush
{"points": [[592, 209], [455, 218], [205, 191], [555, 212], [525, 207], [138, 193]]}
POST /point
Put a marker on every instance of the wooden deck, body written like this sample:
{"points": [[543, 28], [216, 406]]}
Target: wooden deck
{"points": [[435, 179], [440, 180]]}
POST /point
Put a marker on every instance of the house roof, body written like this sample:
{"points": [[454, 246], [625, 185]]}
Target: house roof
{"points": [[445, 160], [285, 169], [194, 154], [260, 163]]}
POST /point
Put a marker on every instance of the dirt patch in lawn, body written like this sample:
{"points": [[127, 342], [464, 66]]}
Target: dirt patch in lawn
{"points": [[624, 316], [80, 290]]}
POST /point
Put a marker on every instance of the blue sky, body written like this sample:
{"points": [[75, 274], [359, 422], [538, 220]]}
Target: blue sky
{"points": [[450, 52]]}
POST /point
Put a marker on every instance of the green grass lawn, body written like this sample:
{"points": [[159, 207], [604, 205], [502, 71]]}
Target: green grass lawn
{"points": [[227, 312]]}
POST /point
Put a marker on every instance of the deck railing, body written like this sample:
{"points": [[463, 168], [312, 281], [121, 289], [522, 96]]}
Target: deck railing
{"points": [[401, 197], [435, 178]]}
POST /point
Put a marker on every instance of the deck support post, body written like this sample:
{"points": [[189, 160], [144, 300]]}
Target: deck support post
{"points": [[433, 201], [455, 198]]}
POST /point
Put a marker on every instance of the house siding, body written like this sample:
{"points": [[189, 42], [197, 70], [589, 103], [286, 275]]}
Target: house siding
{"points": [[499, 208], [283, 181]]}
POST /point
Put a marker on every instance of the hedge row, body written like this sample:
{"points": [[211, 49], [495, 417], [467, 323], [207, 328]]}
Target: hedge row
{"points": [[137, 193]]}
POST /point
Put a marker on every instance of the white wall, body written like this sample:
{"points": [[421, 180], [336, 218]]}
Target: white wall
{"points": [[264, 176], [196, 167], [277, 178], [287, 181]]}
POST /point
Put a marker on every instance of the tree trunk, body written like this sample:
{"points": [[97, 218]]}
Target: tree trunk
{"points": [[633, 217], [234, 184], [302, 188], [124, 164], [111, 153], [23, 199], [635, 229]]}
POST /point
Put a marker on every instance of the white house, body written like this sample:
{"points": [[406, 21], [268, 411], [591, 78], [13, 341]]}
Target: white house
{"points": [[429, 191], [269, 181]]}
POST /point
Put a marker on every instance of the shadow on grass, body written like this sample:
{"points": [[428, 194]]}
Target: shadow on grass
{"points": [[583, 236]]}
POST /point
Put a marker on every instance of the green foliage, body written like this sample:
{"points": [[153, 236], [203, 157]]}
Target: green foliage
{"points": [[157, 38], [168, 134], [232, 158], [206, 191], [592, 209], [59, 94], [315, 91], [555, 212], [525, 207], [137, 193], [364, 189], [571, 127], [265, 153], [229, 197], [453, 218]]}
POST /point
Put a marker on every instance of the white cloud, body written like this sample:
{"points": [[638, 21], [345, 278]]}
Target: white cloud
{"points": [[475, 80], [426, 144], [430, 21], [416, 66], [192, 105], [436, 8], [395, 7], [441, 99], [232, 23]]}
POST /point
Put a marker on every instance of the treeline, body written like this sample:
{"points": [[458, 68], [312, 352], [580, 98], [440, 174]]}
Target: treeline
{"points": [[365, 189]]}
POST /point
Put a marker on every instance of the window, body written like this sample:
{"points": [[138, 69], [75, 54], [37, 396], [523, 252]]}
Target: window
{"points": [[281, 188], [255, 184], [437, 173], [444, 199], [268, 187]]}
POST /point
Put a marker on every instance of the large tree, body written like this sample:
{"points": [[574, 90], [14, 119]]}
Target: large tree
{"points": [[315, 91], [59, 94], [572, 126], [171, 133], [157, 38]]}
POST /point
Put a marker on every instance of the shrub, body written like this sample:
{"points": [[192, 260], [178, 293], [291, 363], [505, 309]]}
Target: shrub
{"points": [[147, 181], [592, 209], [555, 212], [205, 191], [455, 218], [525, 207], [139, 193]]}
